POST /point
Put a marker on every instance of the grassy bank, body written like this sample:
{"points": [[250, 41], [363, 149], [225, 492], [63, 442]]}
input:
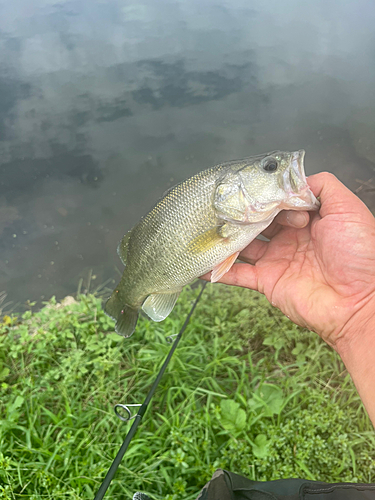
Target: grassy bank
{"points": [[246, 390]]}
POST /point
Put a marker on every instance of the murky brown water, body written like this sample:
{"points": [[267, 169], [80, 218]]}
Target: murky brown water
{"points": [[103, 105]]}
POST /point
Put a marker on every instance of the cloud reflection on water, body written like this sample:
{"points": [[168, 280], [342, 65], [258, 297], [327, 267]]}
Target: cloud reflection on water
{"points": [[105, 105]]}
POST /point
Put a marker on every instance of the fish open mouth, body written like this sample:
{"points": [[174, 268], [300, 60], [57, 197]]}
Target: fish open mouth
{"points": [[295, 184]]}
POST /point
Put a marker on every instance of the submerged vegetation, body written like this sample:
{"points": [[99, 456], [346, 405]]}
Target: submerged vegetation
{"points": [[246, 390]]}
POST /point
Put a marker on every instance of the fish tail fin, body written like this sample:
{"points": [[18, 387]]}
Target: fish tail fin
{"points": [[126, 317], [127, 321]]}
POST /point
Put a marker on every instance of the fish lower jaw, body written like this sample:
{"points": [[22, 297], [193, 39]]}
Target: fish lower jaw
{"points": [[304, 200], [261, 212]]}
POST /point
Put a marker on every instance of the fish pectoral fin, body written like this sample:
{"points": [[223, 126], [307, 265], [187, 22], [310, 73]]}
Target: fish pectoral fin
{"points": [[206, 240], [222, 268], [159, 305]]}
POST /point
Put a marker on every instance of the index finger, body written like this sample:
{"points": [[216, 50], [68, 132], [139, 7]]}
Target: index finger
{"points": [[239, 274], [286, 218]]}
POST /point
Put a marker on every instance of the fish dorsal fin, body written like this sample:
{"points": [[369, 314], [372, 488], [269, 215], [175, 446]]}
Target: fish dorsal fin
{"points": [[159, 305], [219, 270], [122, 248]]}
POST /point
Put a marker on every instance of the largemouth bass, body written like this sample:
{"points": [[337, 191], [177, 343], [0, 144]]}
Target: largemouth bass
{"points": [[201, 225]]}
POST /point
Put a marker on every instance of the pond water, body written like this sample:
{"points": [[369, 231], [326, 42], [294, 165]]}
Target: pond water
{"points": [[106, 104]]}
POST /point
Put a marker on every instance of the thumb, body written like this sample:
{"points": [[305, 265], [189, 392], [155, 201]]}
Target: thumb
{"points": [[337, 198]]}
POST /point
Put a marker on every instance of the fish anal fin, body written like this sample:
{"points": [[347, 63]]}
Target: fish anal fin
{"points": [[222, 268], [159, 305]]}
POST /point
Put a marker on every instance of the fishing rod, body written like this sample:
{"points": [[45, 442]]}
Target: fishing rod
{"points": [[143, 407]]}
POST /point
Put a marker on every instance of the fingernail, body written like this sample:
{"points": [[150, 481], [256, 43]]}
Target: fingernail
{"points": [[297, 219]]}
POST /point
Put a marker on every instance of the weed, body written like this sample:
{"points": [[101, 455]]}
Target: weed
{"points": [[246, 390]]}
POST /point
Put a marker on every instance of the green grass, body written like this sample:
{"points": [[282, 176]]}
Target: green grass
{"points": [[246, 390]]}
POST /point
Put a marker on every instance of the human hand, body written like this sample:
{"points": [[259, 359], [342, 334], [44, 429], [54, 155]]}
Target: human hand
{"points": [[320, 274]]}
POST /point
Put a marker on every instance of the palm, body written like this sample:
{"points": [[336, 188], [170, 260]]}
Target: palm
{"points": [[319, 275], [308, 273]]}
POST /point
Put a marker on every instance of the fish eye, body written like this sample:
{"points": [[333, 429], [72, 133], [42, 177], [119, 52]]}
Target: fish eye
{"points": [[270, 165]]}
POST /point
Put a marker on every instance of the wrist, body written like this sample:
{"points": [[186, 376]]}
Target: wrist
{"points": [[358, 329], [356, 347]]}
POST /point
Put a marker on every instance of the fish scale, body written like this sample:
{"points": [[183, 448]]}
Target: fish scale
{"points": [[200, 225]]}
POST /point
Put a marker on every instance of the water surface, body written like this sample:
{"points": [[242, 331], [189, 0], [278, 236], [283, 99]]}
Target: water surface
{"points": [[104, 105]]}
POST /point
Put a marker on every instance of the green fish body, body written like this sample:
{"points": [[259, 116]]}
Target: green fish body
{"points": [[201, 225]]}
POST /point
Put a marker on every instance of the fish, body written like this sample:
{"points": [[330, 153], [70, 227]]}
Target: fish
{"points": [[201, 225]]}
